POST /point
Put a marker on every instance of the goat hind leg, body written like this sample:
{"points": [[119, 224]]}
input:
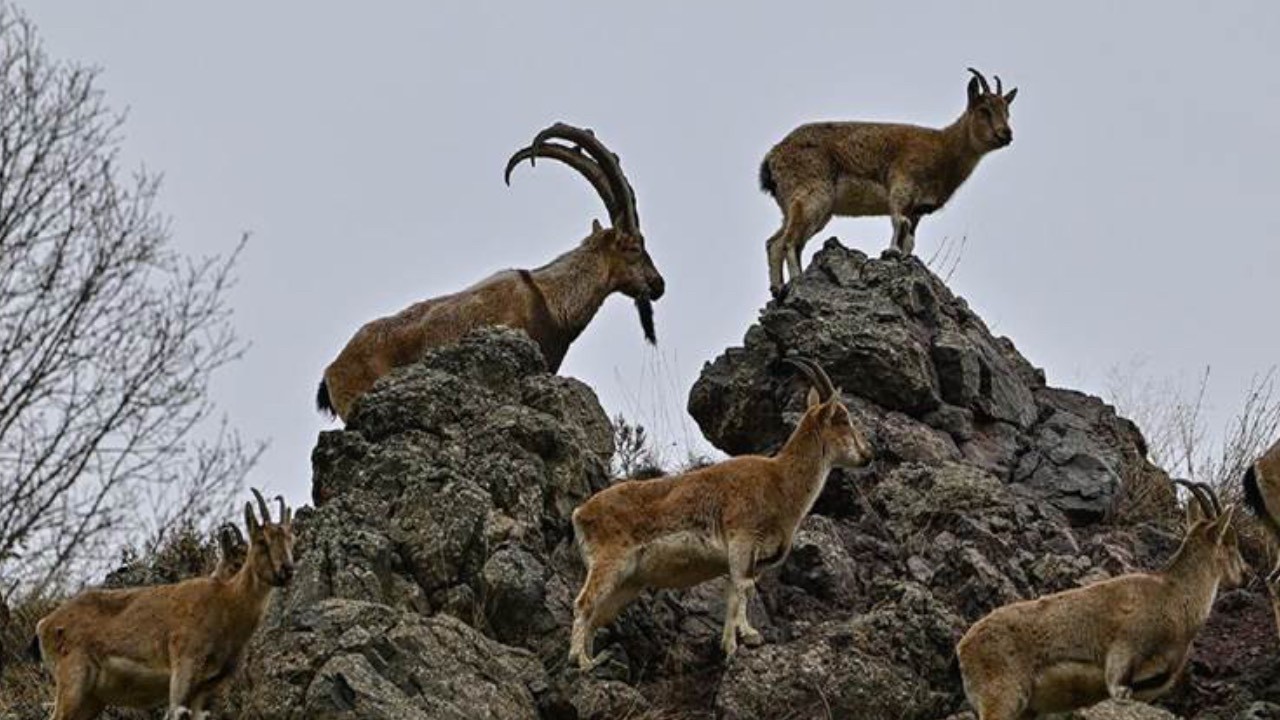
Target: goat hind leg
{"points": [[73, 700], [603, 577], [776, 250]]}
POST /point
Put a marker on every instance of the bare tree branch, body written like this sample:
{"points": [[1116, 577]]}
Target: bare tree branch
{"points": [[108, 338]]}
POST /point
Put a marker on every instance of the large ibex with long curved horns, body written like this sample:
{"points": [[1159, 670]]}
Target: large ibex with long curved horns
{"points": [[174, 644], [854, 169], [553, 303], [735, 518], [1127, 637]]}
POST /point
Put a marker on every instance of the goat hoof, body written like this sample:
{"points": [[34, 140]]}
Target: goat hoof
{"points": [[752, 637], [730, 646], [892, 253]]}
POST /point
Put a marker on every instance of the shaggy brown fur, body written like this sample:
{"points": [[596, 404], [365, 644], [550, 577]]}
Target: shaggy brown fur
{"points": [[142, 647], [553, 303], [1129, 636], [862, 168], [733, 518], [1262, 495]]}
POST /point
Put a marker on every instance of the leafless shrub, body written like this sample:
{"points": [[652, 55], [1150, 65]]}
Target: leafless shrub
{"points": [[632, 453], [1179, 439], [108, 337]]}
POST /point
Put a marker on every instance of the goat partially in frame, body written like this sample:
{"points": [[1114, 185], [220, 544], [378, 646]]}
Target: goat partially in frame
{"points": [[553, 304], [1127, 637], [179, 643], [736, 518], [854, 169], [1262, 495]]}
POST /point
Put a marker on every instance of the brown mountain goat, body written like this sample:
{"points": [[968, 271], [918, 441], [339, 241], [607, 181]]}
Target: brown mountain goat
{"points": [[553, 303], [864, 168]]}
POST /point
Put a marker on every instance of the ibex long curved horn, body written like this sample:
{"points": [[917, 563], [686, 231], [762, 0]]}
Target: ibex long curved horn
{"points": [[982, 81], [285, 512], [817, 376], [999, 85], [575, 159], [262, 506], [1202, 499], [628, 219]]}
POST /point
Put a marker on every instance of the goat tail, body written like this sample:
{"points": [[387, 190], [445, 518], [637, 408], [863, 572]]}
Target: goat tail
{"points": [[323, 402], [766, 178], [1257, 503]]}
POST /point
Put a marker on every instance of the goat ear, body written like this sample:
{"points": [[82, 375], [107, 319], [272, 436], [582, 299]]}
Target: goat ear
{"points": [[1223, 523], [812, 398], [250, 522], [596, 226], [1194, 512], [975, 90], [1009, 96]]}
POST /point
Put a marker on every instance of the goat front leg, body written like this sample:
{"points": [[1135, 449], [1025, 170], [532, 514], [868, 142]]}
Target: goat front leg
{"points": [[1118, 671], [900, 201], [181, 688], [738, 590], [750, 635]]}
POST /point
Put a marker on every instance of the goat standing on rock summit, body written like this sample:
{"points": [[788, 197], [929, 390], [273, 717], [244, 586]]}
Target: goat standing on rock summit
{"points": [[855, 169], [142, 646], [553, 303], [735, 518]]}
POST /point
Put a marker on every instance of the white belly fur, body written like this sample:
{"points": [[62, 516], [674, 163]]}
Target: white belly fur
{"points": [[856, 197], [680, 560], [121, 681]]}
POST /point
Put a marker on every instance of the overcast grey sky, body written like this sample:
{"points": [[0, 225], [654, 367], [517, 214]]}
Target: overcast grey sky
{"points": [[362, 144]]}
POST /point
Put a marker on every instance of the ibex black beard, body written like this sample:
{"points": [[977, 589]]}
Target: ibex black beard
{"points": [[645, 308]]}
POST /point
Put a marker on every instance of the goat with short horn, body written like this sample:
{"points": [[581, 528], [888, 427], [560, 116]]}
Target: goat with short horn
{"points": [[735, 518], [176, 644], [854, 169], [553, 304], [1127, 637]]}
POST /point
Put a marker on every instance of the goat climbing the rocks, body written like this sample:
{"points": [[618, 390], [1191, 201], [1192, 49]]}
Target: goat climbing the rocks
{"points": [[735, 518], [854, 169], [143, 647], [553, 303], [1127, 637]]}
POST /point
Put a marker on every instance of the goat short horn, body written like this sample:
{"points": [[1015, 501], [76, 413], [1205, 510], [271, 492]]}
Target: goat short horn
{"points": [[815, 374], [981, 81], [262, 506], [1213, 497], [1206, 506]]}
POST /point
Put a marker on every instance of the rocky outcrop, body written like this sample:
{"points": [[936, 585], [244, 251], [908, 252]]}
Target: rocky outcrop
{"points": [[929, 379], [437, 570]]}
